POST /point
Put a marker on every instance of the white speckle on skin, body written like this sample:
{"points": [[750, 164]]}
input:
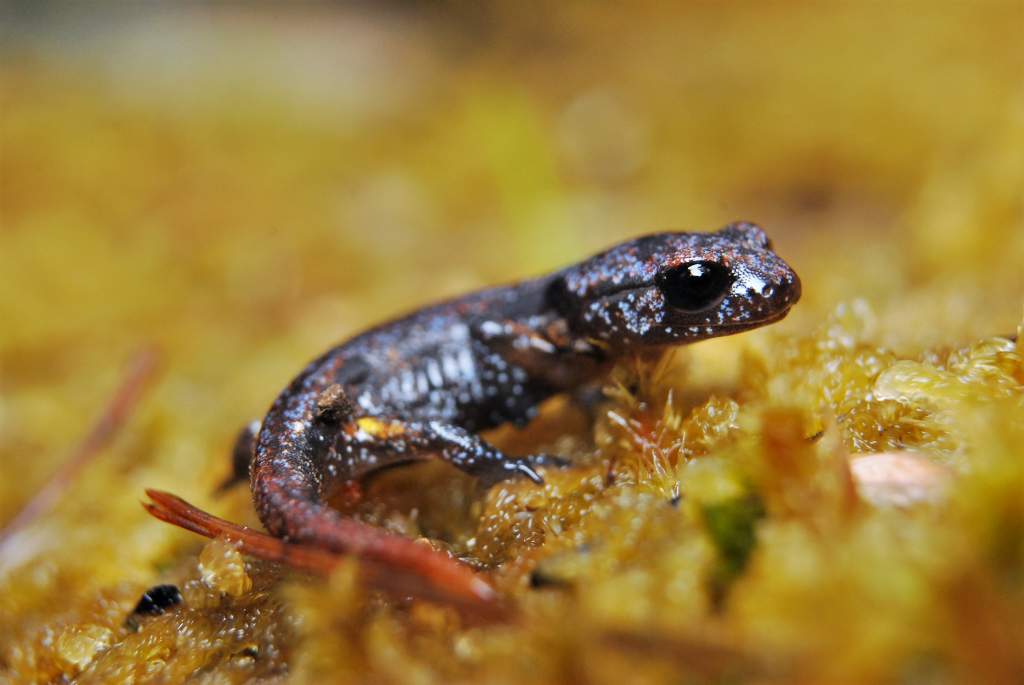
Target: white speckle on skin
{"points": [[450, 367], [434, 373], [408, 383], [747, 283], [466, 366], [491, 328]]}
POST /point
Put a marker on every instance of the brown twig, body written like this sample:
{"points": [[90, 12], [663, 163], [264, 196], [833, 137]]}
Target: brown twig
{"points": [[126, 398]]}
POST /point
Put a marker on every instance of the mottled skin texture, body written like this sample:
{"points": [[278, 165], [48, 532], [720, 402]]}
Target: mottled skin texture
{"points": [[422, 386]]}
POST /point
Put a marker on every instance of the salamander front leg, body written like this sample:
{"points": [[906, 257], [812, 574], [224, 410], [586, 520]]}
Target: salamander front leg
{"points": [[370, 444]]}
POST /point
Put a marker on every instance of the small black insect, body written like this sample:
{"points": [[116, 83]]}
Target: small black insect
{"points": [[157, 600]]}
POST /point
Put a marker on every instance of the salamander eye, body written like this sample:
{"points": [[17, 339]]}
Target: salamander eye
{"points": [[694, 286]]}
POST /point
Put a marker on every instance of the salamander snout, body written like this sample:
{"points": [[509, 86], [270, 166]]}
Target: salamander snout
{"points": [[767, 295]]}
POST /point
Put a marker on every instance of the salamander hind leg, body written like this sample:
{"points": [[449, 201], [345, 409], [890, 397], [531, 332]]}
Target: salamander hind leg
{"points": [[241, 456], [312, 439]]}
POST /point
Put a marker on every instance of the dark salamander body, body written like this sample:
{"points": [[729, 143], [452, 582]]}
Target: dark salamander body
{"points": [[424, 385]]}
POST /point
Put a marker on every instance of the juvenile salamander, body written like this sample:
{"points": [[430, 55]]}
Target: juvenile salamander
{"points": [[422, 386]]}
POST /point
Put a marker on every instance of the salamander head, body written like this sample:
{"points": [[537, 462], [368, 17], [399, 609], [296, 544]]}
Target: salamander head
{"points": [[676, 288]]}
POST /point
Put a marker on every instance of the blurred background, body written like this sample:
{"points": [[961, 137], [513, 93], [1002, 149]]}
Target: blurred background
{"points": [[243, 186]]}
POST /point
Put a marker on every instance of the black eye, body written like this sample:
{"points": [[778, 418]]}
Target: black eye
{"points": [[695, 286]]}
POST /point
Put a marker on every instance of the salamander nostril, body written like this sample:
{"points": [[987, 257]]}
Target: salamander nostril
{"points": [[768, 292], [794, 290]]}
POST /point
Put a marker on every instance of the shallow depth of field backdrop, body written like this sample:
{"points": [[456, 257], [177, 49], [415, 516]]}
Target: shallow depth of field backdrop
{"points": [[239, 188]]}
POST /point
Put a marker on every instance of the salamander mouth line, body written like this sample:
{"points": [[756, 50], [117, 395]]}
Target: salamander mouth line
{"points": [[752, 323]]}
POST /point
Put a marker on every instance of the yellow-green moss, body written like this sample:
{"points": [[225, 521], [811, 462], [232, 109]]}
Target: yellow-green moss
{"points": [[711, 529]]}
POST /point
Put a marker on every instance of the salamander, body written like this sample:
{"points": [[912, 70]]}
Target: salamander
{"points": [[424, 385]]}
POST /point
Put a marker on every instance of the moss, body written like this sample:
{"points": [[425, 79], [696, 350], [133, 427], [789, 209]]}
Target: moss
{"points": [[732, 527], [711, 528]]}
